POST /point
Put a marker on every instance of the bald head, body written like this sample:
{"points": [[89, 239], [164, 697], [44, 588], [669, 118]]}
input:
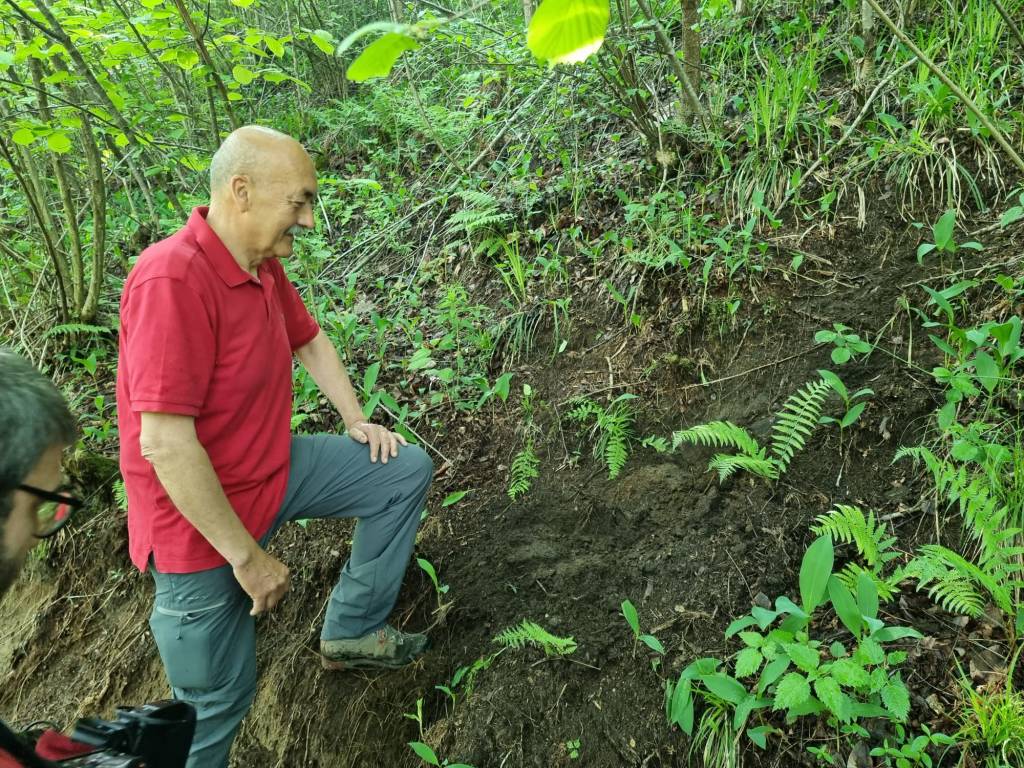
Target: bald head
{"points": [[262, 190], [251, 150]]}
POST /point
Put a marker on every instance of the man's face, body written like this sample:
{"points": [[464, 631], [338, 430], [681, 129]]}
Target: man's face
{"points": [[281, 201], [20, 527]]}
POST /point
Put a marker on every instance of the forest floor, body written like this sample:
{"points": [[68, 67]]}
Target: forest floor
{"points": [[690, 553]]}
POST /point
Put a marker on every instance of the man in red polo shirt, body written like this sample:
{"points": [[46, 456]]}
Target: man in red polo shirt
{"points": [[209, 327]]}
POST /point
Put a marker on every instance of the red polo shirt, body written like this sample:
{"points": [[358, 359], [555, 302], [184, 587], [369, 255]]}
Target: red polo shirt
{"points": [[202, 337]]}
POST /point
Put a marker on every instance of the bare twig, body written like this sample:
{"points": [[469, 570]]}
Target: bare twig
{"points": [[1009, 21]]}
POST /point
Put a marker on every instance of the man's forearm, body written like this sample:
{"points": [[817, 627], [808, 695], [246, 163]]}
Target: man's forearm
{"points": [[187, 475], [321, 359]]}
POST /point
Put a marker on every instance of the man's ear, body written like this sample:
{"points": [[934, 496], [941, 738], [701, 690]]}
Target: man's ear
{"points": [[241, 189]]}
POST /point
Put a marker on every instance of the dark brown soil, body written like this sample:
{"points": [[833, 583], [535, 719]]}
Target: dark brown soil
{"points": [[691, 554]]}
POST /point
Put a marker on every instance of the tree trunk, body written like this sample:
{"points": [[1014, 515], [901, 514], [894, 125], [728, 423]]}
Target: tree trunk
{"points": [[691, 42], [527, 11]]}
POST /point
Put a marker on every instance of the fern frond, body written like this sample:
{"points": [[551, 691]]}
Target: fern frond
{"points": [[797, 420], [478, 198], [945, 584], [718, 434], [849, 525], [584, 411], [523, 472], [888, 588], [616, 451], [69, 329], [528, 633], [121, 495], [725, 465]]}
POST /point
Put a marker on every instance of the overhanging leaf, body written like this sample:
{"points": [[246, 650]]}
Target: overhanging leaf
{"points": [[379, 57], [242, 74], [567, 31]]}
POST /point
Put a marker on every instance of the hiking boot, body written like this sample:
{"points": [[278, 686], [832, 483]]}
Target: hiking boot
{"points": [[386, 648]]}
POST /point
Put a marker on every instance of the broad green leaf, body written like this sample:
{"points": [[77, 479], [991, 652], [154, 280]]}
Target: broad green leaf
{"points": [[653, 643], [869, 652], [852, 415], [741, 623], [943, 230], [838, 703], [840, 355], [246, 4], [428, 568], [379, 57], [323, 40], [814, 573], [805, 657], [425, 753], [759, 735], [896, 699], [867, 596], [987, 370], [24, 136], [743, 710], [274, 45], [763, 616], [629, 612], [784, 605], [58, 142], [835, 382], [837, 649], [748, 661], [567, 31], [849, 673], [454, 498], [6, 60], [242, 74], [752, 639], [846, 607], [370, 377], [792, 691], [772, 672], [725, 687]]}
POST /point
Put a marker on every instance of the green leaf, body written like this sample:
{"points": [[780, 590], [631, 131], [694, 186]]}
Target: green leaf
{"points": [[242, 74], [653, 643], [274, 45], [870, 652], [741, 623], [852, 415], [840, 355], [725, 687], [867, 595], [814, 573], [629, 612], [805, 657], [246, 4], [752, 639], [943, 230], [425, 753], [923, 250], [896, 699], [567, 31], [987, 369], [58, 142], [759, 735], [748, 661], [323, 40], [838, 703], [24, 136], [849, 673], [379, 57], [454, 498], [792, 691], [845, 606], [772, 672]]}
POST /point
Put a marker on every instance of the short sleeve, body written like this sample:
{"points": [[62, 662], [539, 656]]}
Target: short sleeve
{"points": [[301, 326], [170, 346]]}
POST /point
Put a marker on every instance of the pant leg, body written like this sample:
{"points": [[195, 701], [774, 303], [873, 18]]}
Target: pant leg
{"points": [[332, 476], [207, 641]]}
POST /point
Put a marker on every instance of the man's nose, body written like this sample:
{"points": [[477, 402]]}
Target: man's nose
{"points": [[306, 216]]}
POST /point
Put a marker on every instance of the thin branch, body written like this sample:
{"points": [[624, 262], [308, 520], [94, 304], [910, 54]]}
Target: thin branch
{"points": [[967, 102], [1009, 21]]}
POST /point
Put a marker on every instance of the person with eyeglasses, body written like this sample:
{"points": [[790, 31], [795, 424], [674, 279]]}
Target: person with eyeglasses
{"points": [[35, 428]]}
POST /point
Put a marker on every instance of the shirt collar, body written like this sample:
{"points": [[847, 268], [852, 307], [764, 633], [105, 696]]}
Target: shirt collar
{"points": [[223, 262]]}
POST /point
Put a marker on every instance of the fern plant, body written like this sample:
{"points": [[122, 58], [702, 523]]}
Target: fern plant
{"points": [[480, 214], [850, 525], [793, 426], [531, 634], [611, 429], [523, 471], [993, 568]]}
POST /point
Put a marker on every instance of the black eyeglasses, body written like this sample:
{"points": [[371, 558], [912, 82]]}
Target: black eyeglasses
{"points": [[55, 511]]}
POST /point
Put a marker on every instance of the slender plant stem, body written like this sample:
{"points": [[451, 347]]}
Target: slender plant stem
{"points": [[1009, 21], [967, 102], [686, 85]]}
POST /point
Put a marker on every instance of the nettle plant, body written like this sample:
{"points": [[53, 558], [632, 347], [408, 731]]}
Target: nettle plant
{"points": [[785, 667]]}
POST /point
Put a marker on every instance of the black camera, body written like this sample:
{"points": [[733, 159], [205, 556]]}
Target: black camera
{"points": [[156, 735]]}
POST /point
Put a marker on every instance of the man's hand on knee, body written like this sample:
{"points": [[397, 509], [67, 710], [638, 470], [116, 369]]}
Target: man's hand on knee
{"points": [[265, 579], [382, 441]]}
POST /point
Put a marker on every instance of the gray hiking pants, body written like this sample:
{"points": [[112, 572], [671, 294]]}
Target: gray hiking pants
{"points": [[201, 621]]}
